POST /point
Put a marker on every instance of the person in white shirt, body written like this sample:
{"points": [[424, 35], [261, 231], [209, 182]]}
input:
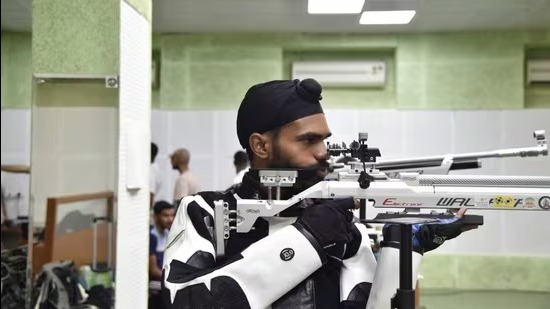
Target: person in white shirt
{"points": [[240, 160], [155, 178], [186, 184]]}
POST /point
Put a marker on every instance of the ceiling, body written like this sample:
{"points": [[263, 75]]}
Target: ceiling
{"points": [[188, 16]]}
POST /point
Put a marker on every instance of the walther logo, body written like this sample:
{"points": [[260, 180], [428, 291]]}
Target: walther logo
{"points": [[255, 211], [498, 201], [452, 201]]}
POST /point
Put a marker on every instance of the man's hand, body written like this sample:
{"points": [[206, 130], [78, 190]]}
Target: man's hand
{"points": [[329, 222], [460, 214], [430, 236]]}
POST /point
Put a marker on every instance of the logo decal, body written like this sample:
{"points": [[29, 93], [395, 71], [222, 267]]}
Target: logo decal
{"points": [[391, 201], [287, 254], [455, 201], [439, 240], [544, 202], [503, 201], [529, 202]]}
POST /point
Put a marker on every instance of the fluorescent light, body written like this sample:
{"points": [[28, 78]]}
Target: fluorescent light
{"points": [[386, 17], [335, 6]]}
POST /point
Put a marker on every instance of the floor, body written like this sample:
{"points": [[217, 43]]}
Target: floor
{"points": [[451, 299]]}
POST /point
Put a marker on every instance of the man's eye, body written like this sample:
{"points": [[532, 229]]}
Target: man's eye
{"points": [[311, 140]]}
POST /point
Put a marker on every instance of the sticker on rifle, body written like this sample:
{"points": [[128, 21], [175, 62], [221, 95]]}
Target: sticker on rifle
{"points": [[544, 202], [392, 201], [502, 201], [482, 202], [529, 202]]}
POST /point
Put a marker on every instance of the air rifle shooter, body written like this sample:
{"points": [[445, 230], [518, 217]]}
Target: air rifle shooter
{"points": [[411, 191], [407, 190]]}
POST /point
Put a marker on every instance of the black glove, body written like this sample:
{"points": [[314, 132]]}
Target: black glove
{"points": [[329, 223], [432, 235], [427, 236]]}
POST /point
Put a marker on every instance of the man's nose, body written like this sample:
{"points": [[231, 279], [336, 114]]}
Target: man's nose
{"points": [[321, 152]]}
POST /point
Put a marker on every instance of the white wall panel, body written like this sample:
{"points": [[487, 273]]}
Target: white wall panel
{"points": [[428, 132], [16, 132], [385, 129], [193, 130], [16, 144], [226, 143], [517, 128], [343, 125], [134, 135], [74, 152], [94, 134]]}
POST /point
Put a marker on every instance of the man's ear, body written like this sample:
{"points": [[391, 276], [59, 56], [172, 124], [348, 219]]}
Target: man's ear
{"points": [[260, 145]]}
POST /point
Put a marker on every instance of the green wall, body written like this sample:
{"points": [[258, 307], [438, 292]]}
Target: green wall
{"points": [[76, 36], [473, 272], [465, 70], [16, 70], [462, 70]]}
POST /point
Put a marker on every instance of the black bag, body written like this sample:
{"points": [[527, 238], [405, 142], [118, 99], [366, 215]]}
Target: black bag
{"points": [[57, 286]]}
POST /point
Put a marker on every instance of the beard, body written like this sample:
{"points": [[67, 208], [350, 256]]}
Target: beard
{"points": [[307, 175]]}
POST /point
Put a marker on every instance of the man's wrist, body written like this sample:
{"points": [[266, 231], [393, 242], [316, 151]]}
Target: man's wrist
{"points": [[314, 242]]}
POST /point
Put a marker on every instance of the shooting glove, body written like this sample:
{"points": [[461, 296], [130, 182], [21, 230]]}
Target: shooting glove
{"points": [[432, 235], [429, 236], [329, 222]]}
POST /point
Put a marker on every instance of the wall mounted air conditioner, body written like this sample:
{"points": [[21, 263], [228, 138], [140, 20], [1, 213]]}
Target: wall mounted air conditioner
{"points": [[342, 73], [538, 71]]}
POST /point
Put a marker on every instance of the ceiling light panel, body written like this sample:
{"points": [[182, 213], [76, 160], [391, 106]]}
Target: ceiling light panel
{"points": [[387, 17], [335, 6]]}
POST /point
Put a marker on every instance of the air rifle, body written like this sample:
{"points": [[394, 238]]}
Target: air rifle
{"points": [[410, 191]]}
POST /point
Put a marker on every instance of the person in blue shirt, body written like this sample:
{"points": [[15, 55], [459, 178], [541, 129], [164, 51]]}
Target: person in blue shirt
{"points": [[164, 216]]}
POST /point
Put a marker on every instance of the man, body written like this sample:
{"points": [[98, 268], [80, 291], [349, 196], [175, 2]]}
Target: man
{"points": [[186, 184], [164, 216], [155, 178], [240, 161], [310, 256]]}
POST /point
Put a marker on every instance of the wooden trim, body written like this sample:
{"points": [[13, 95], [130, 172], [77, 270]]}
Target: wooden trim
{"points": [[16, 168], [53, 203], [82, 197], [49, 233]]}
